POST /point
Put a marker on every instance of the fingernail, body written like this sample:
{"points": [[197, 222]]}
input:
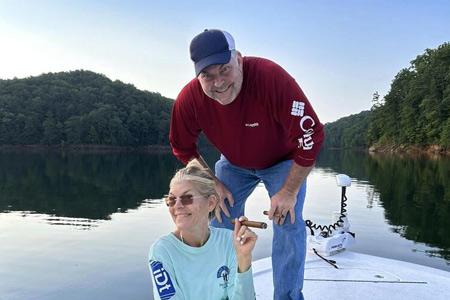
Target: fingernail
{"points": [[238, 238], [242, 242]]}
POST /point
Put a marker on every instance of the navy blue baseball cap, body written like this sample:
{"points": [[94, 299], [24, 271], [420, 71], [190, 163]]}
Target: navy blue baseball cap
{"points": [[211, 47]]}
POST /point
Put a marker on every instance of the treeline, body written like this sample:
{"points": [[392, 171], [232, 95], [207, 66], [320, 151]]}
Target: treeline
{"points": [[348, 132], [415, 111], [81, 107]]}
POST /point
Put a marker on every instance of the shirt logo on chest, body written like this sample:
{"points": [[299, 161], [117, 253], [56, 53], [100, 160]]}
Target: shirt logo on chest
{"points": [[256, 124], [223, 273]]}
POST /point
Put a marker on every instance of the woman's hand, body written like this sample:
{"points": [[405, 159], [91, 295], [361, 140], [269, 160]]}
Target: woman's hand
{"points": [[244, 242]]}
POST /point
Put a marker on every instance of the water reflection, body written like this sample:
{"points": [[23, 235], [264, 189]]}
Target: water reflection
{"points": [[81, 190], [79, 223], [73, 188], [413, 190]]}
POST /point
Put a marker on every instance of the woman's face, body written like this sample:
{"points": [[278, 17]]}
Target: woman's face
{"points": [[189, 216]]}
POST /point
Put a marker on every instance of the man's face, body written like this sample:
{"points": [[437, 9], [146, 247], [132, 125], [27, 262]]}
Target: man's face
{"points": [[223, 82]]}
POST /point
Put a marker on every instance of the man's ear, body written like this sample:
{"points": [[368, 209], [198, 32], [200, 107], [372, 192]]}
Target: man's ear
{"points": [[240, 59]]}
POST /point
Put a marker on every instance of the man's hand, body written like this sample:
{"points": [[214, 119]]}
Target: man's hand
{"points": [[221, 189], [283, 203], [224, 193]]}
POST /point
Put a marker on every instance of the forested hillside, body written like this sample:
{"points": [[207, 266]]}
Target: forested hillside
{"points": [[348, 132], [81, 107], [85, 108], [415, 111]]}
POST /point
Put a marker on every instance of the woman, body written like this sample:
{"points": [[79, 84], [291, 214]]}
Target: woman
{"points": [[196, 261]]}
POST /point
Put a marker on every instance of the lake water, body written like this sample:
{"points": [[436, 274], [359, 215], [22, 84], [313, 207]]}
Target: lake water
{"points": [[79, 225]]}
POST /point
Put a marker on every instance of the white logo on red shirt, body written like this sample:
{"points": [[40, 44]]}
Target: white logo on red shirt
{"points": [[306, 142], [298, 108]]}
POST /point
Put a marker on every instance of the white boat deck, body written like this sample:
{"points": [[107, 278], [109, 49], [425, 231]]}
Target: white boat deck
{"points": [[360, 277]]}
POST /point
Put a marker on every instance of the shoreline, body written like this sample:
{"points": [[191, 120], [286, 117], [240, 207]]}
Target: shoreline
{"points": [[433, 150], [84, 148], [410, 150]]}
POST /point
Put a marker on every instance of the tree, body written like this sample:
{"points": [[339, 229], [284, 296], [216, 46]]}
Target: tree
{"points": [[417, 106], [81, 107]]}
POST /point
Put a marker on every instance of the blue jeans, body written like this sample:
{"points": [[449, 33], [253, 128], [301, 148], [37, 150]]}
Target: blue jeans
{"points": [[289, 240]]}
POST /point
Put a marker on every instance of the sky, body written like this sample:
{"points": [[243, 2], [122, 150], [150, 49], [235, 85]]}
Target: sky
{"points": [[340, 52]]}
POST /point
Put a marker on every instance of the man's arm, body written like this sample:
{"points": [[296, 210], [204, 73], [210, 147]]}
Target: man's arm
{"points": [[221, 189], [184, 129], [292, 109], [285, 199]]}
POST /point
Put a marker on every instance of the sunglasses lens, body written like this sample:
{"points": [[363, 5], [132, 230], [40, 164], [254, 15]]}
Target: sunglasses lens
{"points": [[170, 201], [185, 200]]}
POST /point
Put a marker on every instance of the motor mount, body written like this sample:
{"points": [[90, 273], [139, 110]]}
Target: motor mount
{"points": [[336, 237]]}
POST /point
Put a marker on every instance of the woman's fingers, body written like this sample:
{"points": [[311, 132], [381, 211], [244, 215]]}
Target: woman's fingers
{"points": [[245, 234], [241, 232], [237, 228], [237, 225]]}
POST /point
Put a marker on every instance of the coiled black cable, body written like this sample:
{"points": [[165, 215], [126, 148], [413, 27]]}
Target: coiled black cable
{"points": [[326, 230]]}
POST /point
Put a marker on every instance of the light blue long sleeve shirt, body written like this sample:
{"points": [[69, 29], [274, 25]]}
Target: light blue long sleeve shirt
{"points": [[182, 272]]}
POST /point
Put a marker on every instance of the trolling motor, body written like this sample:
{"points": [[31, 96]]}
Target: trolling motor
{"points": [[334, 238]]}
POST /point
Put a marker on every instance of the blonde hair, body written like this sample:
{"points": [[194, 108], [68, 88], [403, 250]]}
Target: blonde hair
{"points": [[200, 178]]}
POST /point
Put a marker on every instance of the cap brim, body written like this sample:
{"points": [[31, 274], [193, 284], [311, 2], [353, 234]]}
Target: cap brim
{"points": [[216, 59]]}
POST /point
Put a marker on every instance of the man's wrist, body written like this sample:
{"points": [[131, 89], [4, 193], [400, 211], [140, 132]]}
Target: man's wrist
{"points": [[290, 192]]}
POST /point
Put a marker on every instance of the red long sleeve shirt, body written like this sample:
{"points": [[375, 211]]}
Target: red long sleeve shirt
{"points": [[271, 120]]}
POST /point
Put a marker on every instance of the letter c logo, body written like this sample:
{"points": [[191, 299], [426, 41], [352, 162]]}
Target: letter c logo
{"points": [[303, 121]]}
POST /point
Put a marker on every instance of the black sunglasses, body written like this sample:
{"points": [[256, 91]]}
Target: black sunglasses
{"points": [[185, 199]]}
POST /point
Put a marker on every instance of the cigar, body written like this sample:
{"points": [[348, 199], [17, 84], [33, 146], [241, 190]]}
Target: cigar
{"points": [[276, 215], [255, 224]]}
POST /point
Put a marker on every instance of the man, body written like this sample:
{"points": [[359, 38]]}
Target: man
{"points": [[257, 116]]}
